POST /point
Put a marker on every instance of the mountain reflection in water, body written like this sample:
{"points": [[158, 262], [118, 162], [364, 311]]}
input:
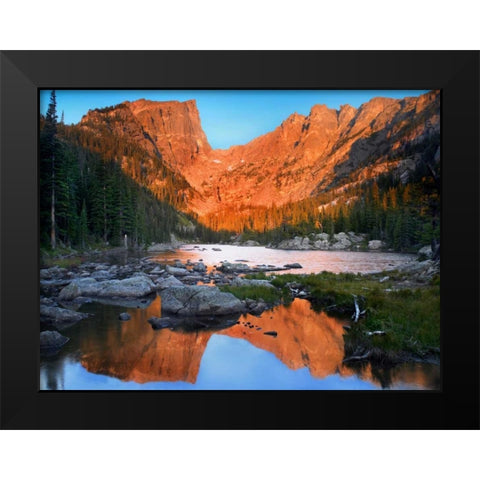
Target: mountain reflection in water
{"points": [[307, 353]]}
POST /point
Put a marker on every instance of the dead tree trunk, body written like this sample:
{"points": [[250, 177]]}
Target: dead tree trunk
{"points": [[357, 309]]}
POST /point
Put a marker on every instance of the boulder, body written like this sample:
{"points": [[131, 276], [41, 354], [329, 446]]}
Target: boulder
{"points": [[59, 317], [52, 272], [296, 243], [170, 281], [136, 286], [199, 300], [159, 323], [52, 340], [338, 246], [245, 282], [321, 244], [375, 244], [257, 308], [178, 272], [102, 275], [341, 241], [293, 265], [139, 285], [200, 267], [192, 279], [158, 270], [124, 316], [251, 243], [227, 267]]}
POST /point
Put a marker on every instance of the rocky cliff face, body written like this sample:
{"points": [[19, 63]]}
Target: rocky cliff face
{"points": [[328, 149], [324, 150], [171, 130]]}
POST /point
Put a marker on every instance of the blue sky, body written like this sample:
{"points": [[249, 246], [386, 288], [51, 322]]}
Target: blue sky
{"points": [[229, 117]]}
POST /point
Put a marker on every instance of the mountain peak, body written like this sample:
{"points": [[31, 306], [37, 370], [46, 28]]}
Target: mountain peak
{"points": [[294, 118], [304, 154], [320, 109]]}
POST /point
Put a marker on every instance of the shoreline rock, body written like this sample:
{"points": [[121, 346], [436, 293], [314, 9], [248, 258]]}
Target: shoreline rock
{"points": [[51, 340], [200, 300], [160, 323], [59, 317], [139, 285], [244, 282]]}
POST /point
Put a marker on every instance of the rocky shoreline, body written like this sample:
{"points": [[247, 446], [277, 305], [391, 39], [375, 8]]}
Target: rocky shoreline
{"points": [[321, 241], [186, 290], [191, 293]]}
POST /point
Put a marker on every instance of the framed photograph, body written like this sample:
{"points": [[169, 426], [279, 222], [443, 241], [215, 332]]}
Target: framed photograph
{"points": [[239, 240]]}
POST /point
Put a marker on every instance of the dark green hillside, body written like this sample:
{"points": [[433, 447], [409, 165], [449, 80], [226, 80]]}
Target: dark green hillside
{"points": [[87, 198]]}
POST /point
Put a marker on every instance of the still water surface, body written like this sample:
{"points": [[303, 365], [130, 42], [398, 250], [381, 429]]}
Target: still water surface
{"points": [[106, 353], [312, 261]]}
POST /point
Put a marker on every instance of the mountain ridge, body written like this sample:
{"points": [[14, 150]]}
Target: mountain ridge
{"points": [[304, 156]]}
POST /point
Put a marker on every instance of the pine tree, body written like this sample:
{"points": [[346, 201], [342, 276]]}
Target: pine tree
{"points": [[48, 150]]}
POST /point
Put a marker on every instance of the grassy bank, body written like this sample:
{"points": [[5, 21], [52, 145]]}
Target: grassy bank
{"points": [[409, 317], [269, 295]]}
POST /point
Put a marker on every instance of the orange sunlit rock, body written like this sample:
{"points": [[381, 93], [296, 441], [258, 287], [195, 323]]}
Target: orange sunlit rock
{"points": [[304, 155]]}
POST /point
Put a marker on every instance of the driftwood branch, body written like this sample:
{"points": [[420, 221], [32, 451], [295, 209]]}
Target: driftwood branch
{"points": [[357, 309], [375, 332], [357, 358]]}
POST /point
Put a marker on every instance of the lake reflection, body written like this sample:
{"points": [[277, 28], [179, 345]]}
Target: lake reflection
{"points": [[307, 353]]}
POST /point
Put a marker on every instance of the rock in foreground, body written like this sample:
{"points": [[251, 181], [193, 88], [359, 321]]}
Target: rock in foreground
{"points": [[245, 282], [199, 300], [159, 323], [227, 267], [136, 286], [52, 340], [59, 317], [167, 282]]}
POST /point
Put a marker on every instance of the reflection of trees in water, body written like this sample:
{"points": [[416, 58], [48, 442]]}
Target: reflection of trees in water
{"points": [[418, 375], [53, 375]]}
